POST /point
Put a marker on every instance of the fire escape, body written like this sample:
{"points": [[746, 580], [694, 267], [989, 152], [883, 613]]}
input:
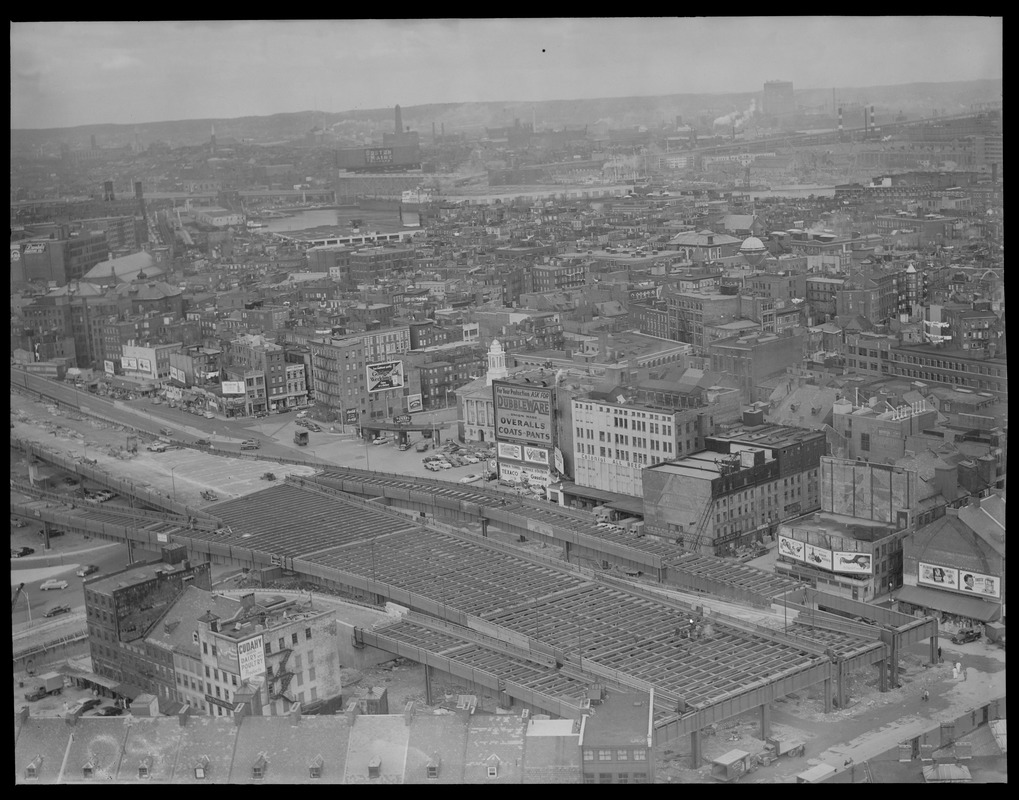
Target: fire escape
{"points": [[281, 677]]}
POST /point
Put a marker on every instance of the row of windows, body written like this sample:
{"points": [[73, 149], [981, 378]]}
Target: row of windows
{"points": [[614, 754]]}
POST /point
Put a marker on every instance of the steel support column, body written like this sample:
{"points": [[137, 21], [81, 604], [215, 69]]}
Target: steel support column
{"points": [[428, 685], [765, 720], [882, 667], [827, 695], [484, 527], [695, 748]]}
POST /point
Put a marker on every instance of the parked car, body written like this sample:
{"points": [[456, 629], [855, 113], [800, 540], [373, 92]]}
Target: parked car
{"points": [[109, 711], [70, 480], [57, 611], [53, 532], [470, 478], [381, 440], [53, 584], [422, 447], [444, 465], [966, 635], [250, 444], [208, 415], [21, 551], [92, 702], [165, 432], [156, 447], [203, 443], [88, 569], [311, 426], [404, 446]]}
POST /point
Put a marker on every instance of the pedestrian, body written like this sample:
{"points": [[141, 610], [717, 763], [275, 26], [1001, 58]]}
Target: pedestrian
{"points": [[939, 654]]}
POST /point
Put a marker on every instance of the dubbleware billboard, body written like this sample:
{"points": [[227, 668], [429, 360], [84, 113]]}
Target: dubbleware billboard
{"points": [[522, 413]]}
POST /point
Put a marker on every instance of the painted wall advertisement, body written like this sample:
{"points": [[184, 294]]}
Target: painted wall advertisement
{"points": [[414, 403], [790, 548], [513, 451], [233, 387], [251, 658], [853, 563], [384, 376], [962, 580], [560, 465], [522, 413]]}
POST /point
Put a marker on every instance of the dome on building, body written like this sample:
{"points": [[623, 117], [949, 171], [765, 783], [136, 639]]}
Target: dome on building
{"points": [[753, 250]]}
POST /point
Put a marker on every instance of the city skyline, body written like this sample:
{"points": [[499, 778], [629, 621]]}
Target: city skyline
{"points": [[67, 74]]}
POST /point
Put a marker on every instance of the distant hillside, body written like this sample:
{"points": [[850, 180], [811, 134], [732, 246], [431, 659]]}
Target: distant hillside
{"points": [[615, 112]]}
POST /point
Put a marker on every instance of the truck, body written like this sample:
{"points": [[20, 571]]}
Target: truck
{"points": [[301, 438], [774, 747], [52, 683], [733, 765]]}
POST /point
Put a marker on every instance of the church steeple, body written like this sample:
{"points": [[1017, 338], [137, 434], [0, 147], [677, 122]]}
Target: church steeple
{"points": [[496, 363]]}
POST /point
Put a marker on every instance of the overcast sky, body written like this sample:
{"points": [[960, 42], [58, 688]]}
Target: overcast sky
{"points": [[80, 73]]}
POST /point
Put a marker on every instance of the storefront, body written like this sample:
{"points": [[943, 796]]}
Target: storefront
{"points": [[952, 611]]}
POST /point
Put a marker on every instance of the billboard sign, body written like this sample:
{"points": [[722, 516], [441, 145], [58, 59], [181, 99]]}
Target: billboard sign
{"points": [[35, 249], [129, 363], [251, 658], [559, 463], [233, 387], [536, 455], [537, 477], [817, 556], [790, 548], [144, 365], [511, 472], [414, 403], [853, 563], [108, 367], [513, 451], [940, 577], [384, 375], [976, 583], [523, 413]]}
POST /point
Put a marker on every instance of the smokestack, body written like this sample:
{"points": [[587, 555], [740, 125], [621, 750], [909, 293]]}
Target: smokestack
{"points": [[138, 190], [872, 118], [840, 121], [108, 191], [399, 121]]}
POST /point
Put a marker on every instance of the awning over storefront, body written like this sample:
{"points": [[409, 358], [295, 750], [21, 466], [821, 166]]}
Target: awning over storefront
{"points": [[128, 690], [969, 607], [570, 488]]}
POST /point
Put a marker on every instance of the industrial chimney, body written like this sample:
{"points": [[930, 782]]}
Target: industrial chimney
{"points": [[399, 121]]}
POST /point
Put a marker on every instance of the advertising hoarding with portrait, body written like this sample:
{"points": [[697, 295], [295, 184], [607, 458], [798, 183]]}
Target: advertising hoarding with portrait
{"points": [[977, 583], [108, 367], [384, 376], [790, 548], [522, 413], [144, 365], [938, 576], [853, 563], [129, 363]]}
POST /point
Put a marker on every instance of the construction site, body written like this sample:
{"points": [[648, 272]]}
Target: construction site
{"points": [[525, 605]]}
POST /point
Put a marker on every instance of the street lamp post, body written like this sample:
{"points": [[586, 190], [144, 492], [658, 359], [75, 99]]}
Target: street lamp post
{"points": [[173, 481]]}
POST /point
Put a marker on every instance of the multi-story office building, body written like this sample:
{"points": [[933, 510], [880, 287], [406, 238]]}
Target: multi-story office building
{"points": [[260, 363], [752, 359], [284, 650], [614, 442], [57, 260], [691, 312], [560, 277], [737, 491], [122, 606], [956, 368]]}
